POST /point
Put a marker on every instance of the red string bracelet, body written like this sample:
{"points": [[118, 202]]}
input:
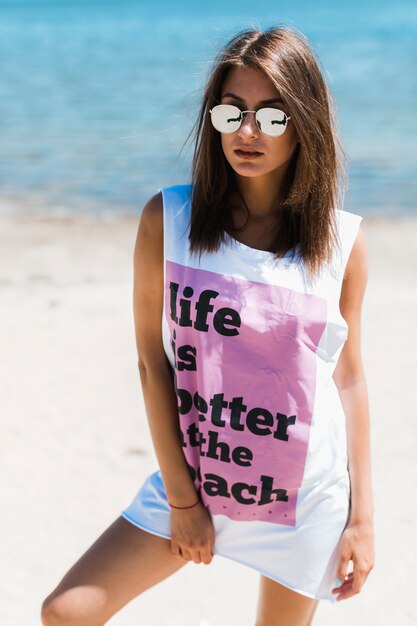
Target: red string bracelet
{"points": [[184, 507]]}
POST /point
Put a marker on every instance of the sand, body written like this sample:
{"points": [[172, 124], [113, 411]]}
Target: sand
{"points": [[75, 443]]}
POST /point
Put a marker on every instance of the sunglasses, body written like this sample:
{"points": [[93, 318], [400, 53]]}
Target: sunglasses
{"points": [[227, 118]]}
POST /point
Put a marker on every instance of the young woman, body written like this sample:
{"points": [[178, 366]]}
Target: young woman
{"points": [[247, 298]]}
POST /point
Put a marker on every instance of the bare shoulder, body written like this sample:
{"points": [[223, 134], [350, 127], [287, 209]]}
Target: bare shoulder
{"points": [[153, 209], [151, 218], [355, 280], [149, 240], [357, 265]]}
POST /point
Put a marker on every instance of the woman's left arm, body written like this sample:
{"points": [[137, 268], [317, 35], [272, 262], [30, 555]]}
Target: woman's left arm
{"points": [[357, 540]]}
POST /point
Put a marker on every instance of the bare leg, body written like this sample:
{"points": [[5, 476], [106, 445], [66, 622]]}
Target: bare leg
{"points": [[280, 606], [122, 563]]}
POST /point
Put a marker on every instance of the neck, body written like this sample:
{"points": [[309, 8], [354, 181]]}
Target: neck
{"points": [[261, 192]]}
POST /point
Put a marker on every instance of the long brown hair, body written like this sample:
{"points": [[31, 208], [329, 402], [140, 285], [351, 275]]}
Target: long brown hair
{"points": [[316, 175]]}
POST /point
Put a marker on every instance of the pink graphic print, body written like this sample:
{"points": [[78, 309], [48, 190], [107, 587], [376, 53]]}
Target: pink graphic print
{"points": [[245, 378]]}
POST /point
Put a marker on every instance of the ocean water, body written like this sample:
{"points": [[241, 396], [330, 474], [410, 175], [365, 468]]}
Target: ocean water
{"points": [[97, 97]]}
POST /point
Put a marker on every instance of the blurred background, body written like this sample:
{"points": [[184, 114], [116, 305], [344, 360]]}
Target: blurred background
{"points": [[96, 101], [98, 97]]}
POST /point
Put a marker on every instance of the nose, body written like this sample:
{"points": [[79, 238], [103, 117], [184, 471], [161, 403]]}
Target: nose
{"points": [[249, 127]]}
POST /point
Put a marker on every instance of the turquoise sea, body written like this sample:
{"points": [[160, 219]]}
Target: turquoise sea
{"points": [[97, 97]]}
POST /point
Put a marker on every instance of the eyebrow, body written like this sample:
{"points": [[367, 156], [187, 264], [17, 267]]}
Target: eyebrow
{"points": [[270, 101]]}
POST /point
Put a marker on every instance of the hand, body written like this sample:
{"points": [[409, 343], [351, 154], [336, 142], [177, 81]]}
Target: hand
{"points": [[357, 545], [192, 534]]}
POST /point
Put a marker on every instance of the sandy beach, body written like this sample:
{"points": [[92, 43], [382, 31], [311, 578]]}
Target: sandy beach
{"points": [[75, 444]]}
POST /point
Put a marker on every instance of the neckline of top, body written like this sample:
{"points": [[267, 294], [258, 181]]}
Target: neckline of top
{"points": [[290, 257], [255, 253]]}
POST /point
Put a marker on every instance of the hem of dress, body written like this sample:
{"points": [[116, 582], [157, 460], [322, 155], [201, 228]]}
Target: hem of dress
{"points": [[140, 525], [279, 580], [225, 556]]}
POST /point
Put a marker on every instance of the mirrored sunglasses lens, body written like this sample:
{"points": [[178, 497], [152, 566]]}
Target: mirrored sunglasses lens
{"points": [[272, 122], [226, 118]]}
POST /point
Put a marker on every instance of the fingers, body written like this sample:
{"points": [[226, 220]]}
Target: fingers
{"points": [[175, 549], [356, 546], [186, 555], [201, 554], [352, 583], [207, 555], [343, 566], [344, 587]]}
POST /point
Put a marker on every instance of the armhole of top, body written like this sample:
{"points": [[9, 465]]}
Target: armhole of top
{"points": [[349, 231]]}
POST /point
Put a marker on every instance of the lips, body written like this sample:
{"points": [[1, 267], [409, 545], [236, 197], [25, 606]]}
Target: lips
{"points": [[247, 154], [247, 149]]}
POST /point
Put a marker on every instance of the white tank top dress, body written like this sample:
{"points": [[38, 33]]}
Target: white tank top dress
{"points": [[252, 344]]}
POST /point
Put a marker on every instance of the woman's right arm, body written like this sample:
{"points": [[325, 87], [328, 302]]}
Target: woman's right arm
{"points": [[193, 526]]}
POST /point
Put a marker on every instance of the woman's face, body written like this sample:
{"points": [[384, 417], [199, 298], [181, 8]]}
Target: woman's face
{"points": [[248, 89]]}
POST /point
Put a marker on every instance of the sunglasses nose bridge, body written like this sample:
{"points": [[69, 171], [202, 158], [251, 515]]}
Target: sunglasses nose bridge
{"points": [[253, 122]]}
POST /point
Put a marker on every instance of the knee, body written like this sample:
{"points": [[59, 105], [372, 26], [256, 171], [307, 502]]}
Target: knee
{"points": [[68, 609], [51, 612], [55, 611]]}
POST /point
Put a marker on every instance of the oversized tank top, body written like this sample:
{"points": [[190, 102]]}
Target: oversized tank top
{"points": [[252, 343]]}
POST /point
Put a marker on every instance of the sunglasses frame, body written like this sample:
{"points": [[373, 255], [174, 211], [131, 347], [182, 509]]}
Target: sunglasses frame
{"points": [[287, 117]]}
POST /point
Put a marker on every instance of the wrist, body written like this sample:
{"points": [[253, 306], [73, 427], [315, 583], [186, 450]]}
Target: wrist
{"points": [[187, 507], [361, 516]]}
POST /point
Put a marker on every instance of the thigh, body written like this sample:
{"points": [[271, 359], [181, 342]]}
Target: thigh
{"points": [[280, 606], [122, 563]]}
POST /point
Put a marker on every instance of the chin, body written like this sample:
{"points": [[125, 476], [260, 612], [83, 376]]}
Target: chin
{"points": [[247, 169], [250, 172]]}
